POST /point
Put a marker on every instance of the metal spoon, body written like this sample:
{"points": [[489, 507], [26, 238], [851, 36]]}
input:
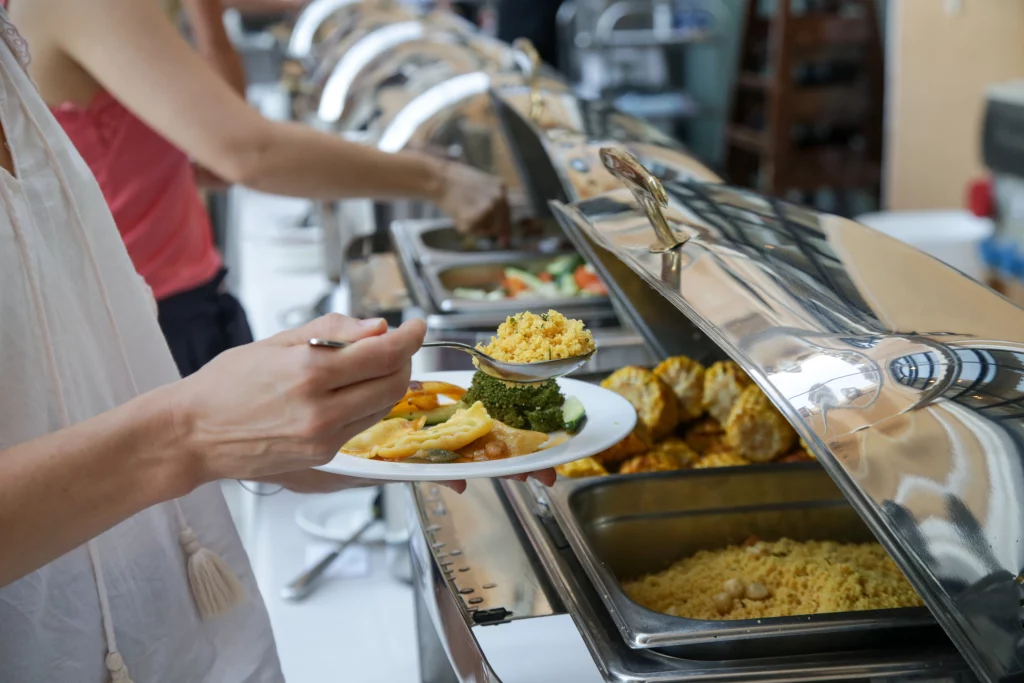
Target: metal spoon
{"points": [[305, 583], [522, 373]]}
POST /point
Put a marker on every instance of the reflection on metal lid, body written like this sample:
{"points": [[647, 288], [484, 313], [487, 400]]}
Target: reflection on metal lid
{"points": [[309, 21], [413, 115], [904, 376], [332, 102]]}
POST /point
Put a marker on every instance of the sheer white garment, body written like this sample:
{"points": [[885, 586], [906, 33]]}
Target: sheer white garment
{"points": [[78, 336]]}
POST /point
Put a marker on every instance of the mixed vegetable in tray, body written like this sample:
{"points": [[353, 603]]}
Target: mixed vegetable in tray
{"points": [[566, 276]]}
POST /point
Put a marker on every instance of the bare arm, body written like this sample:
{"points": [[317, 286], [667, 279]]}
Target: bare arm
{"points": [[226, 421], [58, 491], [135, 52], [206, 17]]}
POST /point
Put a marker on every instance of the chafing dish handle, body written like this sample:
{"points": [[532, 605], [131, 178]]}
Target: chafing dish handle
{"points": [[528, 53], [649, 194]]}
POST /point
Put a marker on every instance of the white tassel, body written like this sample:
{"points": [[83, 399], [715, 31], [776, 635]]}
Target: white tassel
{"points": [[118, 671], [215, 587]]}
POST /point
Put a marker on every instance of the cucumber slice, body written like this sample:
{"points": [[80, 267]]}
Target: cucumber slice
{"points": [[531, 280], [563, 265], [567, 285], [573, 414], [436, 416], [471, 293]]}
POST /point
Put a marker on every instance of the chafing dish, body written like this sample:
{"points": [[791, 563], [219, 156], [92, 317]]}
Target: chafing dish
{"points": [[320, 21], [420, 248], [906, 380], [324, 24], [625, 527], [446, 281], [432, 273], [564, 159], [437, 241]]}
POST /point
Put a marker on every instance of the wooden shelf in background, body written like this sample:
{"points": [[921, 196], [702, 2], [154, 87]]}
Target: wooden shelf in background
{"points": [[748, 139]]}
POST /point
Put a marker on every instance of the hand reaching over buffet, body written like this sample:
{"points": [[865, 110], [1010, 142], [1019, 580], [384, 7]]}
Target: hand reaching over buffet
{"points": [[475, 201]]}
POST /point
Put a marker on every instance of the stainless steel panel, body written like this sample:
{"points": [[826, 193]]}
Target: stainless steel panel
{"points": [[494, 580], [904, 376], [432, 582], [625, 527]]}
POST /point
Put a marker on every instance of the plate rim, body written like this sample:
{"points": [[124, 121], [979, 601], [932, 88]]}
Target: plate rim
{"points": [[620, 428]]}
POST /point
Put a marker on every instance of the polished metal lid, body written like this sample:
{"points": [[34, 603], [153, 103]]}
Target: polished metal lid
{"points": [[557, 138], [905, 377], [317, 21], [455, 118]]}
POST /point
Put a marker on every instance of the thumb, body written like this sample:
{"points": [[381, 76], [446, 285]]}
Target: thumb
{"points": [[332, 327]]}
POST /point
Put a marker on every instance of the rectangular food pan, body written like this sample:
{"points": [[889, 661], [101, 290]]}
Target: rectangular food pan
{"points": [[625, 527], [442, 281], [436, 241]]}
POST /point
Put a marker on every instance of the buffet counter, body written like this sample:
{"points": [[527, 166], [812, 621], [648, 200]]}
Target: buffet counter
{"points": [[901, 380]]}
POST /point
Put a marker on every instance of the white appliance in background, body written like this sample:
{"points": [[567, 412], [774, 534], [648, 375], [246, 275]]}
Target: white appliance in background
{"points": [[953, 237]]}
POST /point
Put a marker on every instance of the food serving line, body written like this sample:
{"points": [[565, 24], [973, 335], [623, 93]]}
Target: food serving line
{"points": [[904, 378]]}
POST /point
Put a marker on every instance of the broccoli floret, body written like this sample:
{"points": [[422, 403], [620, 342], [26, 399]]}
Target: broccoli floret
{"points": [[521, 406], [546, 419]]}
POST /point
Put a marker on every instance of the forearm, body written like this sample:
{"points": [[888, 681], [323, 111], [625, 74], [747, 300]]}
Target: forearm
{"points": [[213, 43], [226, 61], [292, 159], [60, 490]]}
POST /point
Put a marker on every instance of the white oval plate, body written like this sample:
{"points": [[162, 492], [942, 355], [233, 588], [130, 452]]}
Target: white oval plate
{"points": [[610, 418], [337, 516]]}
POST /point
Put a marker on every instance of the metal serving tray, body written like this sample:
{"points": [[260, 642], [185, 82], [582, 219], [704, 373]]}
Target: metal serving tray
{"points": [[894, 662], [441, 282], [624, 527]]}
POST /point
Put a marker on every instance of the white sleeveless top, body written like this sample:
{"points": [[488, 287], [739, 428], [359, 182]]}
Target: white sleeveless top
{"points": [[78, 336]]}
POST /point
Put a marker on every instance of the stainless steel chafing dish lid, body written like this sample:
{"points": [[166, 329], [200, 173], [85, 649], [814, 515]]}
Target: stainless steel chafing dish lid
{"points": [[456, 117], [358, 55], [318, 19], [324, 23], [341, 81], [390, 81], [562, 161], [904, 376]]}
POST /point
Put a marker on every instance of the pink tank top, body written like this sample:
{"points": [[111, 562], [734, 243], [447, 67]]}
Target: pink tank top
{"points": [[150, 188]]}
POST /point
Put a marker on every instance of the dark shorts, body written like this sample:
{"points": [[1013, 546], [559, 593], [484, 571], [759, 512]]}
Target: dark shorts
{"points": [[202, 323]]}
